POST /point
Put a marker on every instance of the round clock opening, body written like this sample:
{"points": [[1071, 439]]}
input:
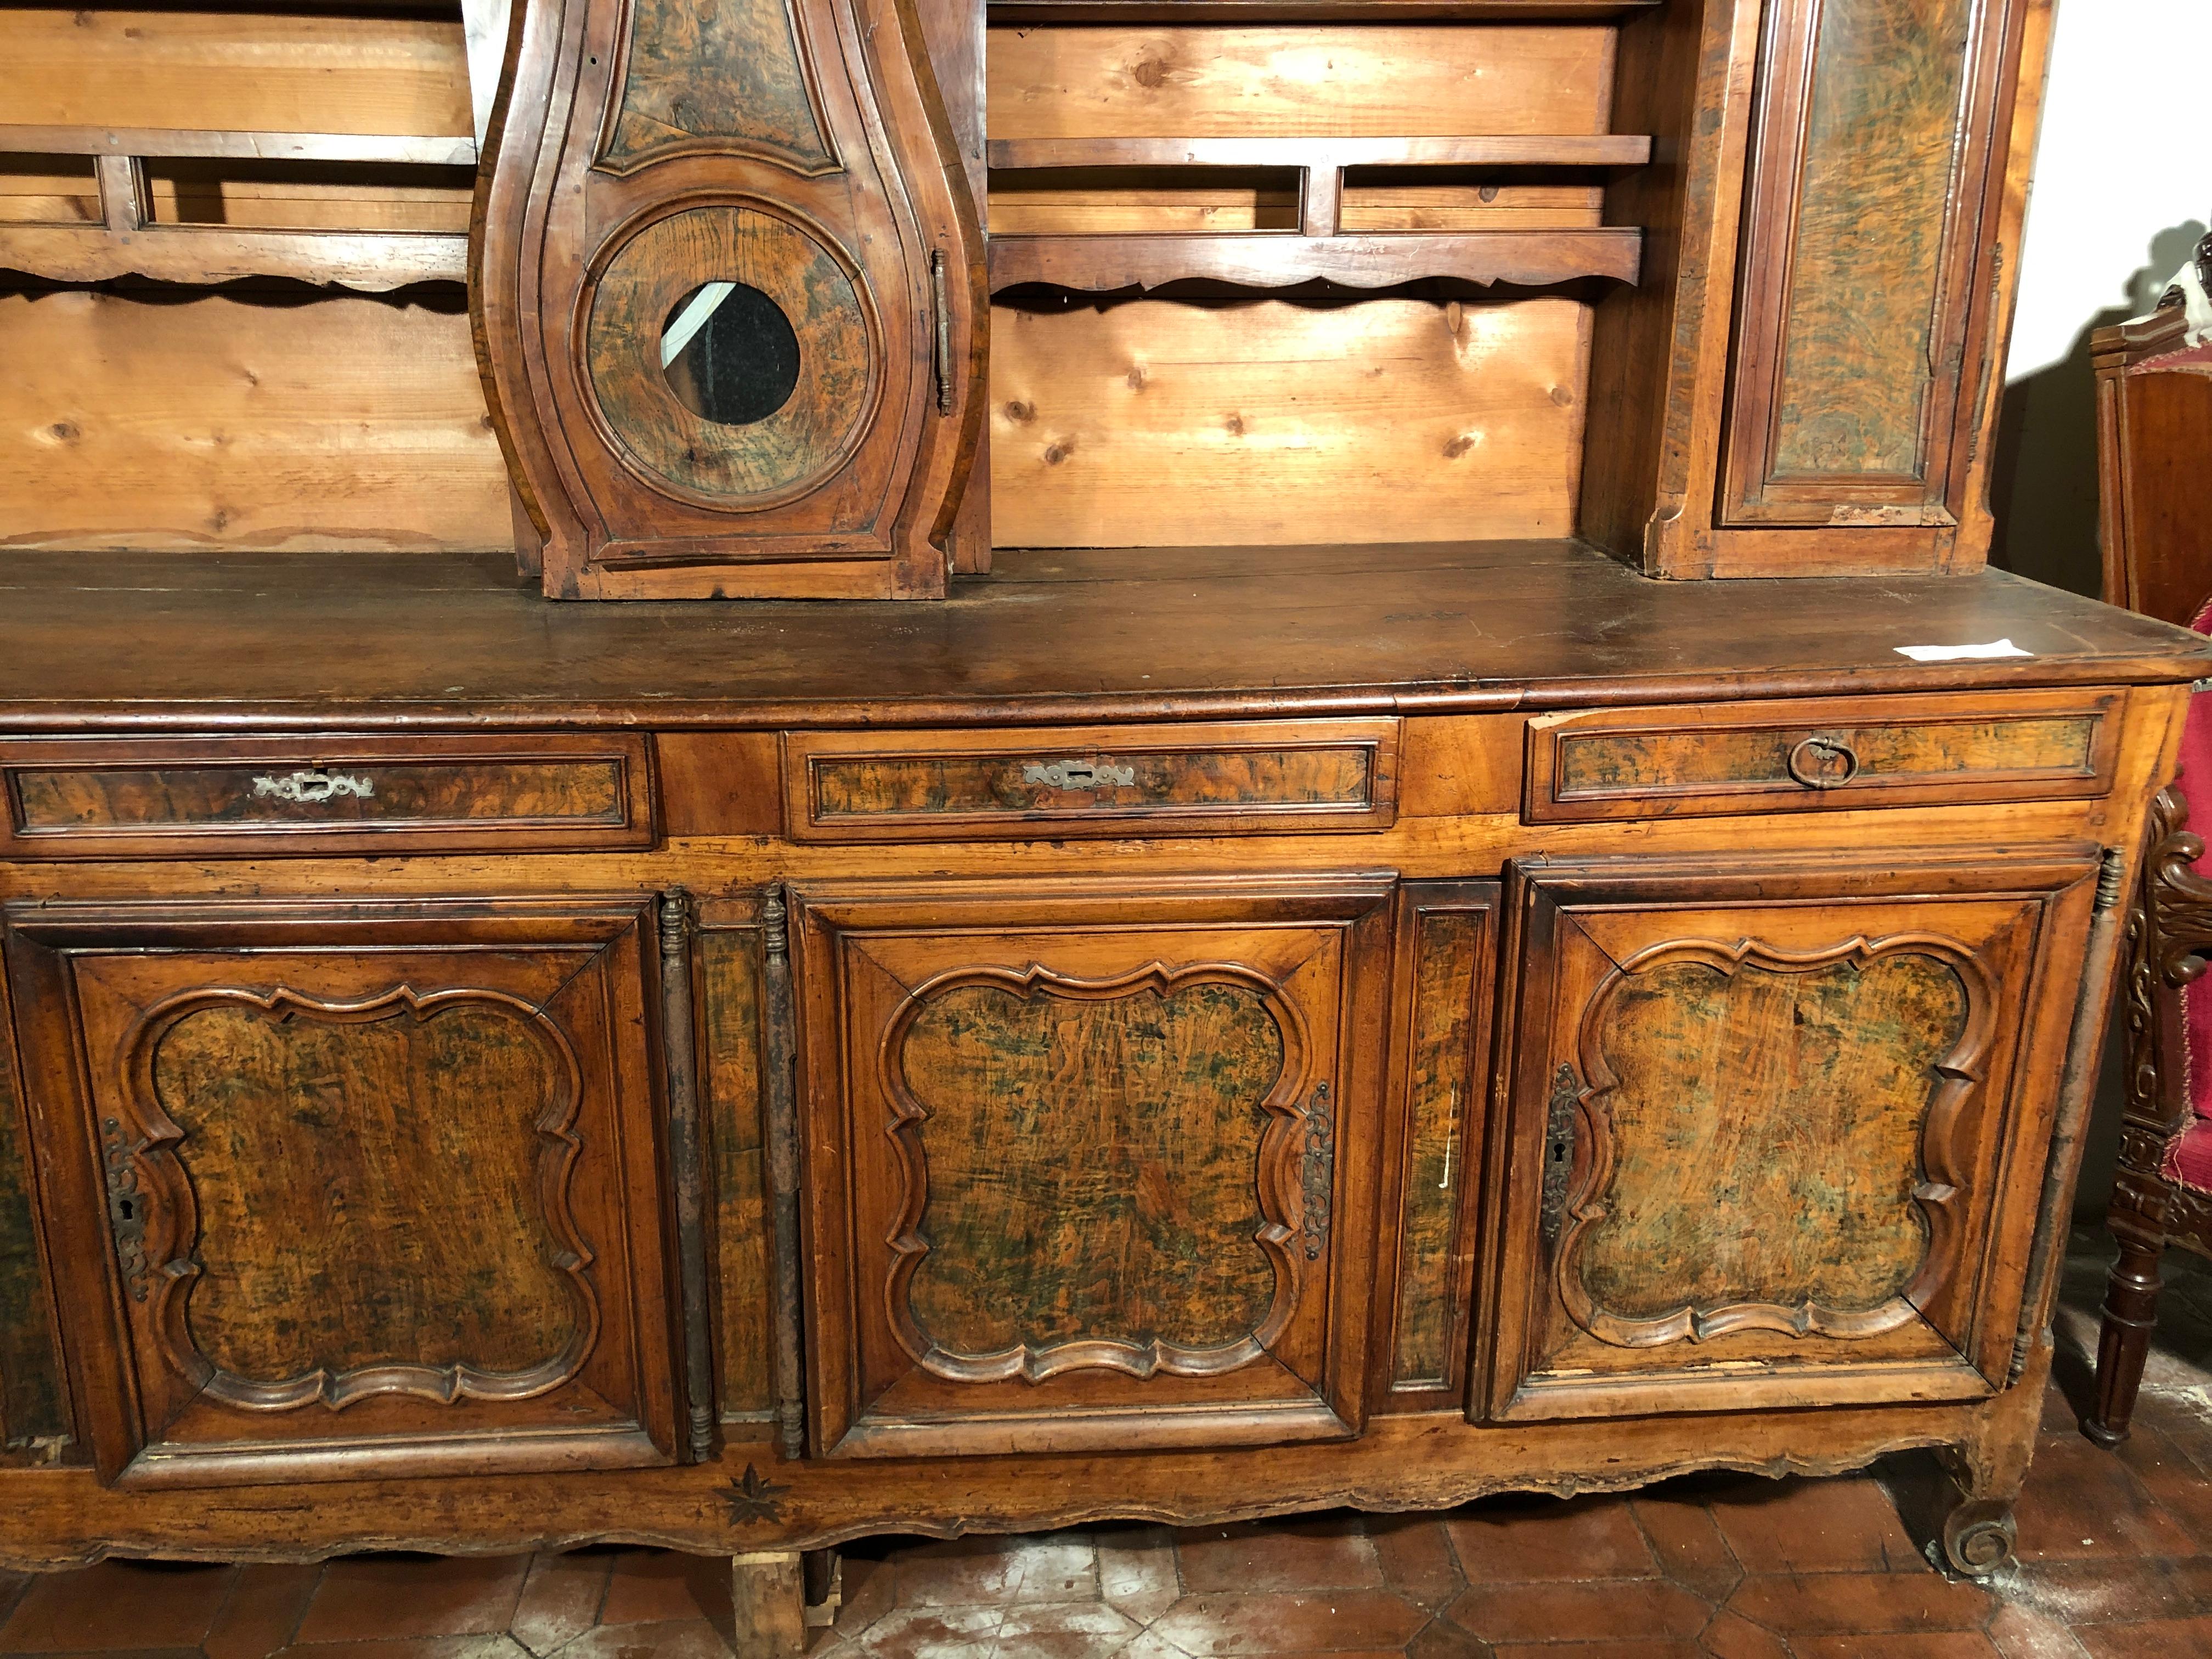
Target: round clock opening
{"points": [[730, 353]]}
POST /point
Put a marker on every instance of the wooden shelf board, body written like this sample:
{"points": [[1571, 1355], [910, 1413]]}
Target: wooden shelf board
{"points": [[164, 142], [372, 261], [1267, 259], [1602, 150], [1313, 11]]}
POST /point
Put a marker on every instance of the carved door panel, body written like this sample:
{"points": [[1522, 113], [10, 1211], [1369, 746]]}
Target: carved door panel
{"points": [[1758, 1153], [731, 298], [1090, 1164], [346, 1189], [1865, 305]]}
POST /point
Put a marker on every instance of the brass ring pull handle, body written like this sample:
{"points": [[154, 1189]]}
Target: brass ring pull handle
{"points": [[1824, 761]]}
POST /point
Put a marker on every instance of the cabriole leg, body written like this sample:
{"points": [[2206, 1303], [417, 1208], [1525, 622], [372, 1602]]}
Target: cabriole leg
{"points": [[1978, 1535], [768, 1596], [2130, 1315]]}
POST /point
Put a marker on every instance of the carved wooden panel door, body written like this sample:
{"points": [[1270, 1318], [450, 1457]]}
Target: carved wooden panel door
{"points": [[731, 298], [1865, 308], [1755, 1154], [351, 1189], [1090, 1163]]}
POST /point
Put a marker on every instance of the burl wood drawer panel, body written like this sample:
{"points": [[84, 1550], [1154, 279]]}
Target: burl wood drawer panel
{"points": [[169, 798], [1233, 777], [1822, 752]]}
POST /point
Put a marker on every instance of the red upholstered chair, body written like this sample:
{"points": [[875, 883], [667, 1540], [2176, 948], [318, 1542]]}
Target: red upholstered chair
{"points": [[2154, 419]]}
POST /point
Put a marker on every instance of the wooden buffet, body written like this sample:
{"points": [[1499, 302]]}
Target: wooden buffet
{"points": [[1393, 919]]}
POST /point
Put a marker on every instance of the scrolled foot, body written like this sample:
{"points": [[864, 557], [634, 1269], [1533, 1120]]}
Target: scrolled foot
{"points": [[1978, 1537]]}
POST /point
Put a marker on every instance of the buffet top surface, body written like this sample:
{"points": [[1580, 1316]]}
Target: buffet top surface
{"points": [[284, 639]]}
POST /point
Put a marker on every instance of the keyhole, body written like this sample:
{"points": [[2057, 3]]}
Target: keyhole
{"points": [[123, 1207]]}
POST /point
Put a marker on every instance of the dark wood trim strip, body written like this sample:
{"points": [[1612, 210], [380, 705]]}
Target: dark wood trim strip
{"points": [[2085, 1048], [687, 1163], [781, 1087]]}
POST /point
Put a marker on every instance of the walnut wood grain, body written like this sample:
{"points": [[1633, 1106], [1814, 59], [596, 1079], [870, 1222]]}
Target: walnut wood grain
{"points": [[1241, 1130], [1814, 755], [105, 798], [730, 1024], [1909, 1252], [1874, 145], [1180, 780], [1447, 945], [1086, 635], [701, 77], [368, 1192], [1818, 1090], [1154, 1249]]}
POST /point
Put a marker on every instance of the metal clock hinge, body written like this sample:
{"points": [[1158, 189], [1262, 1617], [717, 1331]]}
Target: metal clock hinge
{"points": [[940, 354]]}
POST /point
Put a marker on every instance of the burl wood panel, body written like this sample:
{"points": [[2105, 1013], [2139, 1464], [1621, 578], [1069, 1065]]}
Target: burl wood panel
{"points": [[1866, 261], [726, 68], [653, 274], [171, 797], [1200, 779], [1763, 1128], [56, 803], [1093, 1174], [1445, 1082], [1391, 420], [1671, 760], [1818, 754], [996, 784], [379, 1196], [729, 961]]}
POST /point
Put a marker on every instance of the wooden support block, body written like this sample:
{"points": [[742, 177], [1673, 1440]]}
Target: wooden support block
{"points": [[768, 1603]]}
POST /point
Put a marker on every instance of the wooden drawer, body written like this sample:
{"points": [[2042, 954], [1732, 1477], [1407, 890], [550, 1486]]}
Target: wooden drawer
{"points": [[1825, 752], [184, 796], [1243, 776]]}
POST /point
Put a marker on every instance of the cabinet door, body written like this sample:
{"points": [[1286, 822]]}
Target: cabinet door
{"points": [[1865, 298], [343, 1189], [1776, 1136], [1090, 1164]]}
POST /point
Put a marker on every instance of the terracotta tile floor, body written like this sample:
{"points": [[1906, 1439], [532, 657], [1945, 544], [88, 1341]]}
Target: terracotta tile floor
{"points": [[2115, 1563]]}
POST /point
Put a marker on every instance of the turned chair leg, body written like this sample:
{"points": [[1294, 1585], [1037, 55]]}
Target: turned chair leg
{"points": [[2130, 1314], [767, 1597]]}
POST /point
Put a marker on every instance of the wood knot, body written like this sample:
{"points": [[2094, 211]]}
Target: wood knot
{"points": [[1235, 426], [64, 432], [1021, 413], [1561, 396], [1459, 447], [1137, 377], [1153, 72], [1059, 451]]}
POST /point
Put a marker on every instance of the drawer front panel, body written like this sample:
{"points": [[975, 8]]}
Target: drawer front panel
{"points": [[1199, 780], [111, 798], [1792, 757]]}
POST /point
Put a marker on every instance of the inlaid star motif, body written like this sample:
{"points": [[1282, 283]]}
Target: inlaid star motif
{"points": [[753, 1498]]}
